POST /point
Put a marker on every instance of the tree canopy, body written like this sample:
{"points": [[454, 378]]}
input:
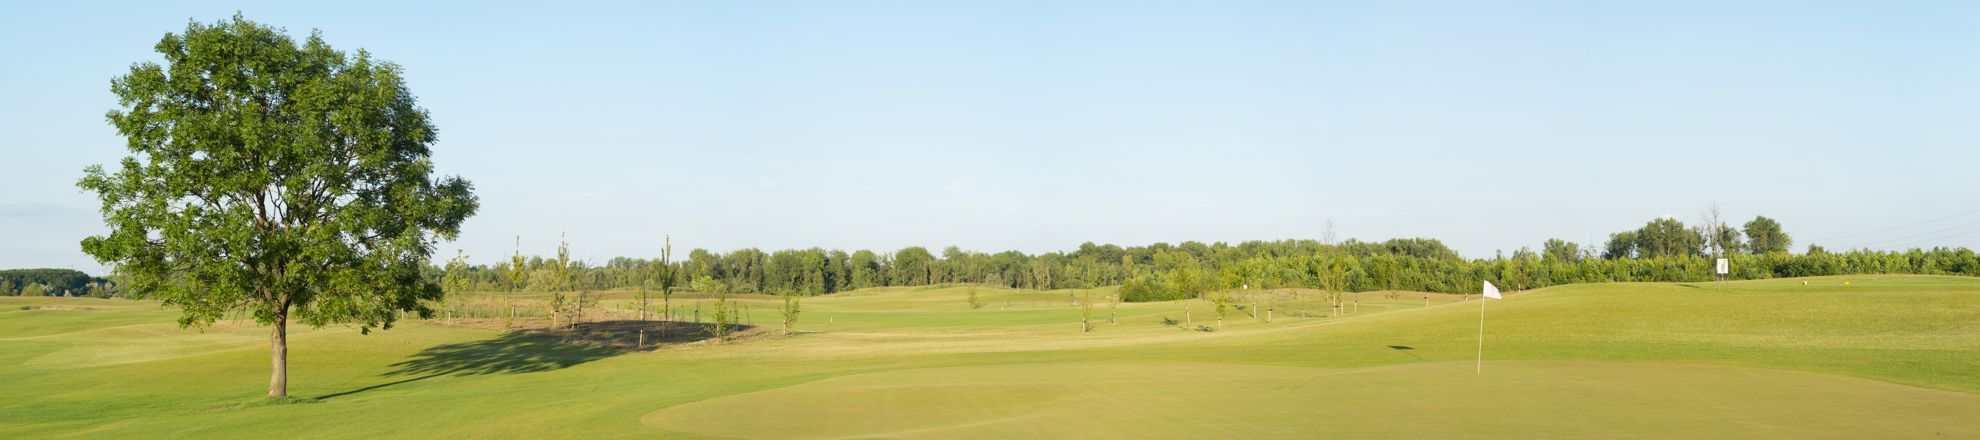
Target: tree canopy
{"points": [[1764, 236], [278, 177]]}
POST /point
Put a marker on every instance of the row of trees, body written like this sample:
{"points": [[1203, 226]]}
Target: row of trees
{"points": [[1669, 237], [53, 282], [1526, 270], [1664, 249], [819, 271]]}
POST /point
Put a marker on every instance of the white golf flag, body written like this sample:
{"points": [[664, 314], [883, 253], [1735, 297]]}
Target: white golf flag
{"points": [[1492, 291]]}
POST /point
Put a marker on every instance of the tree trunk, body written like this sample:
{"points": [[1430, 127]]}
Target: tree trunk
{"points": [[278, 356]]}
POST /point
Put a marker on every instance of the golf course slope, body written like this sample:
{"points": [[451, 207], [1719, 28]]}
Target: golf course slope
{"points": [[1832, 357]]}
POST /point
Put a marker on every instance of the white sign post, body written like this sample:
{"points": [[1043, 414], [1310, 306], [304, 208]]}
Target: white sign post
{"points": [[1724, 269]]}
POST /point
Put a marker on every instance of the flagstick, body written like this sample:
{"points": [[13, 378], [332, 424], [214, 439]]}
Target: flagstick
{"points": [[1481, 336]]}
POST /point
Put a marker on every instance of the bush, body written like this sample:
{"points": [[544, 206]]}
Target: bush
{"points": [[1146, 289]]}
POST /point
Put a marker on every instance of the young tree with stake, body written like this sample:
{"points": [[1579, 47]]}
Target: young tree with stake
{"points": [[725, 318], [792, 300], [279, 178], [1086, 313], [661, 272], [456, 282]]}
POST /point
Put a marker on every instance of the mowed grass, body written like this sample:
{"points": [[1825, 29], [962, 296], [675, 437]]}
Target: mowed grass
{"points": [[1880, 356]]}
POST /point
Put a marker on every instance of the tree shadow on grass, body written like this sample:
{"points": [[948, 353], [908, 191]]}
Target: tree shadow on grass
{"points": [[1408, 350], [627, 334], [536, 350]]}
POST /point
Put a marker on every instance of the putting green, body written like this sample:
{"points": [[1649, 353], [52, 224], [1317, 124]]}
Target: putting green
{"points": [[1204, 400]]}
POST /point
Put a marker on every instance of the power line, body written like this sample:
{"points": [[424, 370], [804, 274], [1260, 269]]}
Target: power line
{"points": [[1922, 234], [1933, 239], [1859, 234]]}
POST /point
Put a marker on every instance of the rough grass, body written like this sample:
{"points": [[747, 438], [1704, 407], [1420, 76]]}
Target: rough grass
{"points": [[1878, 357]]}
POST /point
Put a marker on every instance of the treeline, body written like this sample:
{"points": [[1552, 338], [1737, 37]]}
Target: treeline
{"points": [[53, 282], [1527, 270], [820, 271], [1663, 250]]}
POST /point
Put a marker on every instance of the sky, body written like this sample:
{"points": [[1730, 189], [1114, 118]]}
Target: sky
{"points": [[1037, 126]]}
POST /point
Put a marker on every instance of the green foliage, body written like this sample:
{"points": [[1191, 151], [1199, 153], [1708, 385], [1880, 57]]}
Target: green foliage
{"points": [[273, 176], [518, 277], [664, 273], [457, 279], [1165, 272], [1662, 237], [913, 266], [724, 320], [54, 282], [1726, 238], [1764, 236], [792, 303], [1560, 251]]}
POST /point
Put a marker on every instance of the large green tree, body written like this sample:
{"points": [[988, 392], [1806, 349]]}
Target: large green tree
{"points": [[1668, 237], [1764, 236], [281, 178], [1556, 250]]}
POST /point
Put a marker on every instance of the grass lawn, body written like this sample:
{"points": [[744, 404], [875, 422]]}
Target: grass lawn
{"points": [[1880, 356]]}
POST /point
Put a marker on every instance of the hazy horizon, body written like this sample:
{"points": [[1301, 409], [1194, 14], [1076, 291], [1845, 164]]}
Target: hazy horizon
{"points": [[1039, 126]]}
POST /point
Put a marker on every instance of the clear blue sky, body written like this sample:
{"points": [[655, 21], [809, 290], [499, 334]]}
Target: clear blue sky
{"points": [[1037, 126]]}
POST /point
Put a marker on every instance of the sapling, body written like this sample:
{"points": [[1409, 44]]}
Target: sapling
{"points": [[790, 310]]}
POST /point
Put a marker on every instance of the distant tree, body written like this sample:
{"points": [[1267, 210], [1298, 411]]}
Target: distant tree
{"points": [[1518, 272], [1668, 237], [52, 281], [1733, 243], [279, 178], [1620, 245], [1560, 251], [913, 265], [1041, 272], [518, 276], [1186, 282], [7, 288], [34, 289], [866, 271], [1714, 229], [456, 282], [1764, 236], [974, 303]]}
